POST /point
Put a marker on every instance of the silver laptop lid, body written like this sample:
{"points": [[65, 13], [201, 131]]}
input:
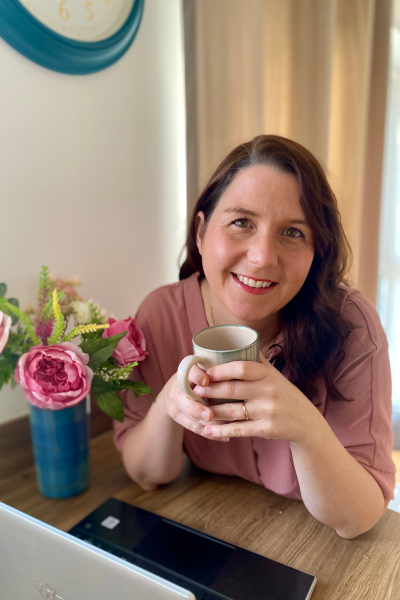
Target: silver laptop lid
{"points": [[38, 561]]}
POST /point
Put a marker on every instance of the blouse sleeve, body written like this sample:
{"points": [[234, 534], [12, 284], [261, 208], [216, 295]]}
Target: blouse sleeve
{"points": [[149, 371], [363, 423]]}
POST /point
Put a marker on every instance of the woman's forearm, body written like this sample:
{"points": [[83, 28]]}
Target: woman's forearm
{"points": [[336, 489], [152, 451]]}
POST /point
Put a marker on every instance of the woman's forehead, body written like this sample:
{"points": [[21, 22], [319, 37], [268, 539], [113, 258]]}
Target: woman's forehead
{"points": [[261, 189]]}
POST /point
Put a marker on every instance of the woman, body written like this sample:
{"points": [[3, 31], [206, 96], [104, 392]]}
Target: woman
{"points": [[266, 249]]}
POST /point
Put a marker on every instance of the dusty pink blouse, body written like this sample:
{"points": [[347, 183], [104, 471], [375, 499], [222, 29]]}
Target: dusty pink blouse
{"points": [[171, 315]]}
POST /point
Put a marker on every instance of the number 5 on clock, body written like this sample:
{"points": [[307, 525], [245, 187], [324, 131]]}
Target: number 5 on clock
{"points": [[88, 5]]}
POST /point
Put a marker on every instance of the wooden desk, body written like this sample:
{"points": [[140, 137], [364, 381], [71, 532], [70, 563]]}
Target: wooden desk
{"points": [[366, 568]]}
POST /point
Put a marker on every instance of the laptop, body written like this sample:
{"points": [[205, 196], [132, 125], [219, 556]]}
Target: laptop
{"points": [[40, 562], [208, 567]]}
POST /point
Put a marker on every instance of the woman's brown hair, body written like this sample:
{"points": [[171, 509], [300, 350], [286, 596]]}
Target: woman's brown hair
{"points": [[313, 327]]}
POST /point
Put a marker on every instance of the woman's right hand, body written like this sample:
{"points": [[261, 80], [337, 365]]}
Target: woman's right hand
{"points": [[192, 415]]}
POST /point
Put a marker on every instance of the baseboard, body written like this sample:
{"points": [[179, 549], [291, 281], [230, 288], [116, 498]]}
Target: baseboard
{"points": [[23, 413]]}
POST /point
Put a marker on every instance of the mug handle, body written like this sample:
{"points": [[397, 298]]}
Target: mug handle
{"points": [[183, 375]]}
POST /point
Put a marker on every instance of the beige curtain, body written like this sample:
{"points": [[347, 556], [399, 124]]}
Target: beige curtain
{"points": [[311, 70]]}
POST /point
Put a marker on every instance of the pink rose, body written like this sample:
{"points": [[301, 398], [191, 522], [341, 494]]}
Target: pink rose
{"points": [[132, 347], [5, 325], [54, 376]]}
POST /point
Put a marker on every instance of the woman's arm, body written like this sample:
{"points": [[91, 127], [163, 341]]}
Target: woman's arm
{"points": [[152, 450], [336, 489]]}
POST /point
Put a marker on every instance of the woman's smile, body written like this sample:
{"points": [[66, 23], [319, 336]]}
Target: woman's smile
{"points": [[254, 286]]}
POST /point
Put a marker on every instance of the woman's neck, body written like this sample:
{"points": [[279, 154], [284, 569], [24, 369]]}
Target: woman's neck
{"points": [[268, 329]]}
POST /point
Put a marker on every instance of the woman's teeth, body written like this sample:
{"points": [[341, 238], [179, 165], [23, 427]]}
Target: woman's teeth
{"points": [[253, 283]]}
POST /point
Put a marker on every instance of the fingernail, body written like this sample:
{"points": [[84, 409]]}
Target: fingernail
{"points": [[209, 373], [203, 380], [205, 415]]}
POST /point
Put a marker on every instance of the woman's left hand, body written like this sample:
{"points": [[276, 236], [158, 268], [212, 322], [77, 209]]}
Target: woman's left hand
{"points": [[276, 409]]}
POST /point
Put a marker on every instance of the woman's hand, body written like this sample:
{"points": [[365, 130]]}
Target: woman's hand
{"points": [[276, 408], [192, 415]]}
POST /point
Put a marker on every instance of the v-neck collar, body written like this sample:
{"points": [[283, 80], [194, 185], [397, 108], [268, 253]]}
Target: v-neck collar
{"points": [[194, 304], [196, 311]]}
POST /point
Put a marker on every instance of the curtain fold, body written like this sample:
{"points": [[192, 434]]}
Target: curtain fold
{"points": [[312, 71]]}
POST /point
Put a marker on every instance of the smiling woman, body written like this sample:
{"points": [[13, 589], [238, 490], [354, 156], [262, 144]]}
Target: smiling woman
{"points": [[311, 420], [279, 185]]}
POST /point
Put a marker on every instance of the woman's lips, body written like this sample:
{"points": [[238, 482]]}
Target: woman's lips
{"points": [[251, 290]]}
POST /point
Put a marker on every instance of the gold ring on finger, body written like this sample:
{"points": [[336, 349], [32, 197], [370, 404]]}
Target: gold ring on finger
{"points": [[246, 414]]}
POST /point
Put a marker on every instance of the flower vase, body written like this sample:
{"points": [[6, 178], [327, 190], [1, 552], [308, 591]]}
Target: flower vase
{"points": [[60, 440]]}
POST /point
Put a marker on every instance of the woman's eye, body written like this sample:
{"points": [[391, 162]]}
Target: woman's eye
{"points": [[242, 223], [293, 232]]}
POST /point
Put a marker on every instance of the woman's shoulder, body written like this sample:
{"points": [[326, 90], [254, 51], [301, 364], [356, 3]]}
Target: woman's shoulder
{"points": [[171, 305], [362, 314], [171, 294]]}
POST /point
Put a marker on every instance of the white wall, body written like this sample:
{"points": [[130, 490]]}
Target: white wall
{"points": [[92, 172]]}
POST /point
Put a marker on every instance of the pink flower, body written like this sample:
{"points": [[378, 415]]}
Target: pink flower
{"points": [[54, 376], [132, 347], [5, 325]]}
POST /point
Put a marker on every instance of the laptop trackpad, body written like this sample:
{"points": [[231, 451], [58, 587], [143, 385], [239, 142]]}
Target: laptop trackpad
{"points": [[195, 556]]}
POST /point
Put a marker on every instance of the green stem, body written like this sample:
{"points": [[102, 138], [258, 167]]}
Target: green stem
{"points": [[23, 317], [47, 307], [90, 328], [59, 324]]}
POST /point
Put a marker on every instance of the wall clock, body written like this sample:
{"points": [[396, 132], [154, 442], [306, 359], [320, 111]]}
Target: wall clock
{"points": [[71, 36]]}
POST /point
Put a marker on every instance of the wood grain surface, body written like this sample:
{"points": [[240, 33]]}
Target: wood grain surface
{"points": [[366, 568]]}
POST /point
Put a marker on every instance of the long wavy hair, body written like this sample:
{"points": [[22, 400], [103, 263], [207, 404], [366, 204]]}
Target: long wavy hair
{"points": [[313, 327]]}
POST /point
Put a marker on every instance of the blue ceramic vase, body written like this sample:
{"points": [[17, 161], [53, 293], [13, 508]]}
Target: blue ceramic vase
{"points": [[60, 440]]}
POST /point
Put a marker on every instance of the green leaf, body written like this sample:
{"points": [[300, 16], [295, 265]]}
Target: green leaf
{"points": [[13, 302], [100, 386], [4, 378], [100, 349], [7, 366], [92, 345], [111, 404], [3, 289], [138, 387]]}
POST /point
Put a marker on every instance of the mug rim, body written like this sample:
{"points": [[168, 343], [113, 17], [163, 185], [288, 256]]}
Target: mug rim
{"points": [[226, 325]]}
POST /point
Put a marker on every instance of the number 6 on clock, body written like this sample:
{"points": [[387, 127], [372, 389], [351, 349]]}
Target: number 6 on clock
{"points": [[62, 11]]}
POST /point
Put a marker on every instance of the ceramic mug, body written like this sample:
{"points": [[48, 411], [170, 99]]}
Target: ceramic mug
{"points": [[214, 346]]}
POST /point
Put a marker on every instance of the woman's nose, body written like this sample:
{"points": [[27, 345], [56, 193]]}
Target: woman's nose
{"points": [[263, 251]]}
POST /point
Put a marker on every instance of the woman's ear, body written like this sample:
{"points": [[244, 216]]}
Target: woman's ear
{"points": [[199, 229]]}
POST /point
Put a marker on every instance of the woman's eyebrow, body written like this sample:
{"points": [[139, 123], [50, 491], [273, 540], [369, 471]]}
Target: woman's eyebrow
{"points": [[239, 209], [299, 222], [251, 213]]}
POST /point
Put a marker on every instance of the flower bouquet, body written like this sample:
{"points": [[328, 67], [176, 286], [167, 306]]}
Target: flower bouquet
{"points": [[56, 374]]}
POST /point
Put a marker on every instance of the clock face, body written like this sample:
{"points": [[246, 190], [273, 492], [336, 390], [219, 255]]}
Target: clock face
{"points": [[82, 20]]}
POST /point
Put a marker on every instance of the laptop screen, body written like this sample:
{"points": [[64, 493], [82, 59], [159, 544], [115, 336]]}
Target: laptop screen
{"points": [[39, 561]]}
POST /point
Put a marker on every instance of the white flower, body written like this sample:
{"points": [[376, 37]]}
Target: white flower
{"points": [[81, 312]]}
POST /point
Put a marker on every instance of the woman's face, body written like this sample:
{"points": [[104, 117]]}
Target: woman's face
{"points": [[258, 248]]}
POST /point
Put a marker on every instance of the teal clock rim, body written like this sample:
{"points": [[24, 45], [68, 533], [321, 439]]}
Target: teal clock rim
{"points": [[21, 30]]}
